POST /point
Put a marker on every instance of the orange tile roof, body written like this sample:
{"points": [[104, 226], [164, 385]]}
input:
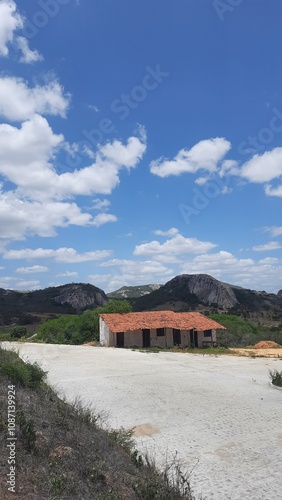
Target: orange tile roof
{"points": [[159, 319]]}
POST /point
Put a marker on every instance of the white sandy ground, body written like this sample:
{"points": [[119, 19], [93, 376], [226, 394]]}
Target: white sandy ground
{"points": [[219, 413]]}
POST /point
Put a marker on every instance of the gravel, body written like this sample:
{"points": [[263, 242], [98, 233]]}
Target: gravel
{"points": [[218, 415]]}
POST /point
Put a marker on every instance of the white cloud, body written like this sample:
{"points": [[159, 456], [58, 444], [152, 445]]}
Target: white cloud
{"points": [[171, 232], [20, 217], [205, 155], [10, 21], [274, 230], [103, 218], [31, 270], [263, 168], [271, 245], [178, 245], [130, 272], [67, 274], [28, 55], [19, 102], [6, 281], [99, 204], [66, 255], [27, 285], [27, 153], [270, 191]]}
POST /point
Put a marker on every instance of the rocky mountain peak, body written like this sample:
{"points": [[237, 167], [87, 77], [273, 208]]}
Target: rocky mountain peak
{"points": [[80, 296], [207, 289]]}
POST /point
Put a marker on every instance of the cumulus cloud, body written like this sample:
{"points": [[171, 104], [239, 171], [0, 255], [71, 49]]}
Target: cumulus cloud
{"points": [[271, 245], [205, 155], [264, 274], [178, 245], [28, 55], [103, 218], [32, 270], [271, 191], [20, 102], [131, 272], [99, 204], [10, 21], [66, 255], [20, 217], [27, 153], [263, 168], [39, 201], [26, 285]]}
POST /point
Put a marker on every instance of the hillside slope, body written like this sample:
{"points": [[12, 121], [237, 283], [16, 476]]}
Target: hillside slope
{"points": [[15, 307], [201, 291]]}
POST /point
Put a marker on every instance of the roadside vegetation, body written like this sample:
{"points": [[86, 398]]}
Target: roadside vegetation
{"points": [[78, 329], [276, 377], [62, 452], [242, 333], [82, 328]]}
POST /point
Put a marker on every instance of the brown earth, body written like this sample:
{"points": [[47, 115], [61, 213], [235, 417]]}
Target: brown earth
{"points": [[255, 352], [266, 344]]}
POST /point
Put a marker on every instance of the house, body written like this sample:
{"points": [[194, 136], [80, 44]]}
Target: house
{"points": [[158, 328]]}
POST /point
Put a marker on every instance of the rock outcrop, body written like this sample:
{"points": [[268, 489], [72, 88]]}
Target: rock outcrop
{"points": [[80, 296], [207, 289]]}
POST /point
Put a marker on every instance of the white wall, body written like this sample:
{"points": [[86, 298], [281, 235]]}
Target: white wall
{"points": [[104, 332]]}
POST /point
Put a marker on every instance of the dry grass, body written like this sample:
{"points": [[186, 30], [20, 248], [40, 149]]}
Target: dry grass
{"points": [[62, 452]]}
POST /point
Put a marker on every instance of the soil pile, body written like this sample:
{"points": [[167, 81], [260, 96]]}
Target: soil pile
{"points": [[266, 344]]}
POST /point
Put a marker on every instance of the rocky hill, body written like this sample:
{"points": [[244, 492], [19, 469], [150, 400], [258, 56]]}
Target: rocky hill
{"points": [[16, 307], [186, 292], [128, 292], [203, 292]]}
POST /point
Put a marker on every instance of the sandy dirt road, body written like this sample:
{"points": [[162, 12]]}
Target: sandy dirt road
{"points": [[219, 413]]}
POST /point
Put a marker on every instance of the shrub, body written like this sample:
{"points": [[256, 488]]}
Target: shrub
{"points": [[276, 377], [18, 332]]}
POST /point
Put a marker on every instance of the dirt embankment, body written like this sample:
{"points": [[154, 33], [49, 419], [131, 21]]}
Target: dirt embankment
{"points": [[264, 348]]}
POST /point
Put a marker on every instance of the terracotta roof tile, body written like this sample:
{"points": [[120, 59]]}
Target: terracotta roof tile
{"points": [[159, 319]]}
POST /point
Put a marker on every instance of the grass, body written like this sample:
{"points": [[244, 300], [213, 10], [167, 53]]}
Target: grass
{"points": [[276, 377], [26, 374], [62, 451]]}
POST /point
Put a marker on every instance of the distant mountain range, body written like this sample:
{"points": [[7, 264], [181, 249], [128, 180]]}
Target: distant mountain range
{"points": [[186, 292]]}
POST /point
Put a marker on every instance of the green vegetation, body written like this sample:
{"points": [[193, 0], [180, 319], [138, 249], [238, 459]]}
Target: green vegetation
{"points": [[276, 377], [78, 329], [62, 452], [25, 374], [241, 333], [18, 332], [163, 296]]}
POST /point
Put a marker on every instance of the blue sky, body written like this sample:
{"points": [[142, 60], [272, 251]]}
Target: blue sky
{"points": [[140, 140]]}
